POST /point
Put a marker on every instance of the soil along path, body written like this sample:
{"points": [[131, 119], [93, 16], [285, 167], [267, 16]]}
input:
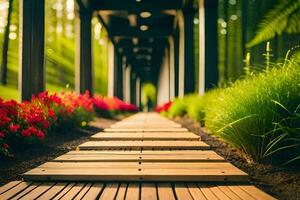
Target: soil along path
{"points": [[178, 168]]}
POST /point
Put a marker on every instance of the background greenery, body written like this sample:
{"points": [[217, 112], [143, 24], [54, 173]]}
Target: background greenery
{"points": [[245, 26], [60, 48]]}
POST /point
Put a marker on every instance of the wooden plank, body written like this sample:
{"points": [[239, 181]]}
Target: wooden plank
{"points": [[64, 191], [256, 193], [94, 191], [228, 192], [38, 191], [144, 126], [57, 188], [239, 192], [144, 152], [73, 191], [94, 166], [148, 191], [201, 156], [121, 192], [165, 191], [207, 192], [145, 136], [26, 191], [182, 192], [109, 192], [145, 130], [133, 192], [195, 192], [105, 171], [146, 123], [217, 192], [15, 190], [83, 191], [149, 145], [9, 186]]}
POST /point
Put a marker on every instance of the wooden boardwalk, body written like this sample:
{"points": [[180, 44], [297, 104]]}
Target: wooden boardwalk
{"points": [[142, 157]]}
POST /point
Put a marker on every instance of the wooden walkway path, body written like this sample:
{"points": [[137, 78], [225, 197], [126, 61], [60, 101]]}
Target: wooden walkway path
{"points": [[142, 157]]}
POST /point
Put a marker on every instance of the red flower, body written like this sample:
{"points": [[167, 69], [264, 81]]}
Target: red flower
{"points": [[14, 128], [51, 113], [164, 108], [2, 135], [5, 146], [46, 124], [25, 133], [39, 134]]}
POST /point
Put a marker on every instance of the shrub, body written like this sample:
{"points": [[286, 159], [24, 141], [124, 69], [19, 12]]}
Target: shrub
{"points": [[178, 108], [180, 105], [199, 105], [260, 115]]}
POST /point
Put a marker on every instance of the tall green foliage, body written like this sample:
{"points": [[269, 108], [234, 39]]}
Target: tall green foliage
{"points": [[237, 26], [284, 17]]}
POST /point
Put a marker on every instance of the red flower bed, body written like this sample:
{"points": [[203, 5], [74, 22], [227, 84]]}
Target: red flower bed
{"points": [[108, 107], [30, 121], [163, 108]]}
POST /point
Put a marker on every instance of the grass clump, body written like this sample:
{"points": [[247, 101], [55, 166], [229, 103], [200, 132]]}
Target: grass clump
{"points": [[261, 115]]}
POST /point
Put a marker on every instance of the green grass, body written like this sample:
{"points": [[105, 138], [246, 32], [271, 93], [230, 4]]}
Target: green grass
{"points": [[252, 113], [259, 115]]}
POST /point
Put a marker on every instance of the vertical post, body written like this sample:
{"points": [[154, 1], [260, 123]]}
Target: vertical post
{"points": [[201, 48], [176, 61], [133, 88], [83, 71], [138, 91], [118, 77], [111, 69], [31, 48], [127, 84], [163, 83], [189, 63], [172, 68], [181, 48], [124, 78], [211, 44]]}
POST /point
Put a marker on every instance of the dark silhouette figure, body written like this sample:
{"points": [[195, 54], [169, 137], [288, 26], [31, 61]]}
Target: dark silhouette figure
{"points": [[149, 104]]}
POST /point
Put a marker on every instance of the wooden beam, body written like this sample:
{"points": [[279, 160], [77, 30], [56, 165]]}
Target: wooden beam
{"points": [[201, 75], [132, 87], [172, 68], [32, 45], [133, 6], [181, 50], [118, 80], [111, 69], [83, 73], [129, 32], [211, 44], [189, 64]]}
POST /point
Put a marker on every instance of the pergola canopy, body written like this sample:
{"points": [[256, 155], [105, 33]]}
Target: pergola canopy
{"points": [[140, 29]]}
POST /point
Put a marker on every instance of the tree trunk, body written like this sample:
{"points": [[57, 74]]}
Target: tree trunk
{"points": [[5, 46]]}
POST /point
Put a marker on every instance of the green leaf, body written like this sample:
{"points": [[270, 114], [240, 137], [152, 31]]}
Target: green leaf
{"points": [[282, 18]]}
